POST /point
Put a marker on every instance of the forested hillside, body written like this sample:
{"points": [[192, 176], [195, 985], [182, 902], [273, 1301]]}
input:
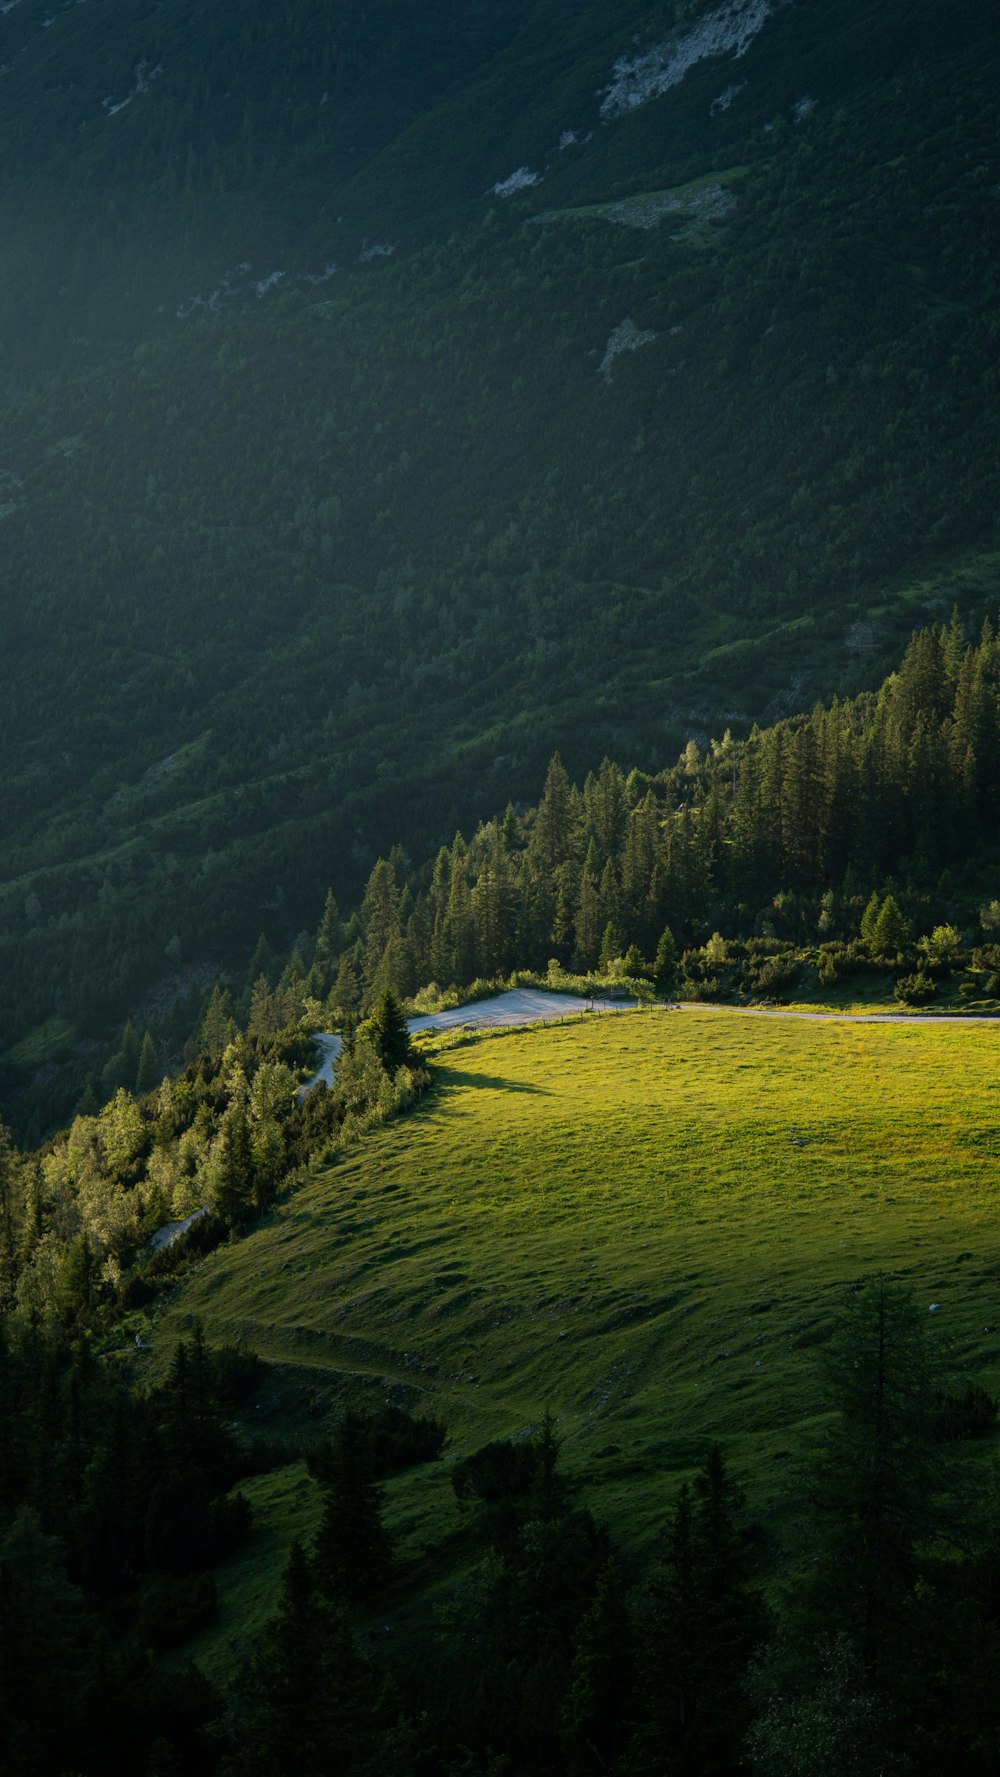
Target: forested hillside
{"points": [[669, 409], [779, 837], [755, 867]]}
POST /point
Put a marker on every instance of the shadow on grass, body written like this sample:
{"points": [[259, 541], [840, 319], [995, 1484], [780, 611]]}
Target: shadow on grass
{"points": [[495, 1083]]}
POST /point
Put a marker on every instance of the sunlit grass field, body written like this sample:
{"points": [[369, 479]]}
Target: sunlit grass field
{"points": [[643, 1223]]}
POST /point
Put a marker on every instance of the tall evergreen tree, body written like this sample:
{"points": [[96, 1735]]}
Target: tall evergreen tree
{"points": [[389, 1033], [149, 1071], [353, 1554], [304, 1700]]}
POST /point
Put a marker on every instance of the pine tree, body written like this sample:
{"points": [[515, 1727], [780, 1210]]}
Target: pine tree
{"points": [[665, 961], [345, 994], [303, 1697], [606, 812], [611, 946], [597, 1714], [263, 1019], [876, 1479], [387, 1027], [555, 819], [261, 963], [149, 1072], [459, 930], [353, 1548], [232, 1167], [217, 1028], [129, 1054], [892, 932], [380, 915], [700, 1626], [329, 940], [869, 919], [587, 924]]}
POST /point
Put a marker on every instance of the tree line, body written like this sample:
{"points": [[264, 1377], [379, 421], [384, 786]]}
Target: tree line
{"points": [[856, 1636], [849, 834]]}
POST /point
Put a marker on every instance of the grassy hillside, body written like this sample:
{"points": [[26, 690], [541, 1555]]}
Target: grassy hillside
{"points": [[643, 1223], [298, 567]]}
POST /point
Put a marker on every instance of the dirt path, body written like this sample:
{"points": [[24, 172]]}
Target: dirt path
{"points": [[521, 1006], [524, 1006]]}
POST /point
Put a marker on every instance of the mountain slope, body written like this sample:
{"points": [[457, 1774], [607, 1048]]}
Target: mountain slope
{"points": [[300, 566]]}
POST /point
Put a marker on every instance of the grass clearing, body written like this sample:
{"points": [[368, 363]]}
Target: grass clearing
{"points": [[646, 209], [44, 1043], [643, 1222]]}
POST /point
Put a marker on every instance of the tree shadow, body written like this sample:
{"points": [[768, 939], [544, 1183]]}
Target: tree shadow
{"points": [[495, 1082]]}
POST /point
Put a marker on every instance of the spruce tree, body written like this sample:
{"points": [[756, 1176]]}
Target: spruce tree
{"points": [[892, 932], [217, 1028], [611, 946], [598, 1711], [353, 1553], [389, 1033], [700, 1625], [876, 1478], [345, 994], [665, 961], [233, 1168], [304, 1700], [148, 1073], [329, 938]]}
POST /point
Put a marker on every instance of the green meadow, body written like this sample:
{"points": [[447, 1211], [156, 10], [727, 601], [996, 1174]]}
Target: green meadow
{"points": [[643, 1223]]}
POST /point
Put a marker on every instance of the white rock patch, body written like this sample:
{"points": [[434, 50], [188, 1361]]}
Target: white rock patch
{"points": [[627, 337], [636, 81], [233, 285], [518, 181], [143, 76], [724, 100], [269, 283]]}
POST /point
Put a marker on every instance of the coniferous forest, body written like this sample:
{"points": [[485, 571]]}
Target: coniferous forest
{"points": [[493, 499], [819, 847], [295, 571]]}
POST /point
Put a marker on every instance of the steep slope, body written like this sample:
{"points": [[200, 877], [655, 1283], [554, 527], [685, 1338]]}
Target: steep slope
{"points": [[671, 398], [642, 1223]]}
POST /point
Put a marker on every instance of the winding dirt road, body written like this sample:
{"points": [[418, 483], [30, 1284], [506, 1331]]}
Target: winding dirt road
{"points": [[523, 1006]]}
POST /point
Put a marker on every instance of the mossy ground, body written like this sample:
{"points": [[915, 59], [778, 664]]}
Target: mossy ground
{"points": [[643, 1223]]}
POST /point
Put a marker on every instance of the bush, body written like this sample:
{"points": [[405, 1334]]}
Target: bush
{"points": [[774, 974], [400, 1441], [914, 990], [499, 1471]]}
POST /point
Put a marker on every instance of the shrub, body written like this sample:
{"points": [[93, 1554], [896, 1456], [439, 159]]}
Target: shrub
{"points": [[501, 1470], [399, 1440], [826, 969], [913, 990], [774, 974]]}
